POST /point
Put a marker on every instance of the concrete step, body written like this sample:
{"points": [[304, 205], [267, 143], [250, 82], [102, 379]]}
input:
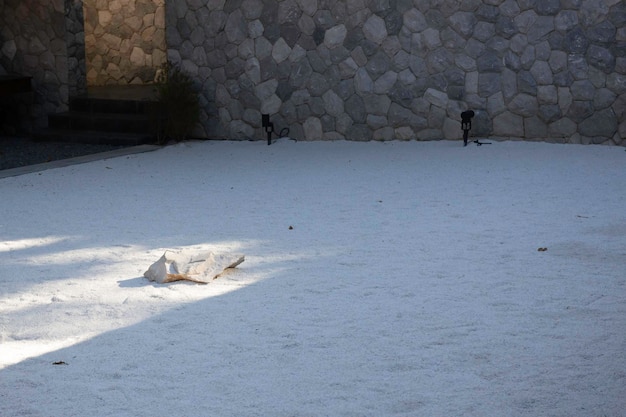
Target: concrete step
{"points": [[112, 106], [94, 137], [107, 115], [106, 122]]}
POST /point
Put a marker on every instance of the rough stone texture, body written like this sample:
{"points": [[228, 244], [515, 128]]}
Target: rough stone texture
{"points": [[405, 69], [125, 39], [184, 265], [43, 39], [351, 69]]}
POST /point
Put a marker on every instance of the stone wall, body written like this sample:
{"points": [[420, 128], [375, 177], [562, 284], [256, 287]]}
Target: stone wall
{"points": [[34, 39], [75, 38], [125, 40], [405, 69]]}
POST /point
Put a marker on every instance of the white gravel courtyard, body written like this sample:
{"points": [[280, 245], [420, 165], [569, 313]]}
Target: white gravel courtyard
{"points": [[381, 279]]}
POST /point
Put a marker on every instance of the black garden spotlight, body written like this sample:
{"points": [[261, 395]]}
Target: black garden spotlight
{"points": [[269, 128], [466, 124]]}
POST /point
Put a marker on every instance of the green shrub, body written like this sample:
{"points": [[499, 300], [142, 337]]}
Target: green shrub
{"points": [[178, 106]]}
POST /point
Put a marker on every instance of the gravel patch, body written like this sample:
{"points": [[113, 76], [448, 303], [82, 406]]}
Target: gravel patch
{"points": [[18, 152]]}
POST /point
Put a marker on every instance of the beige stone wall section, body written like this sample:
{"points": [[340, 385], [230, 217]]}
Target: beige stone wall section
{"points": [[124, 41]]}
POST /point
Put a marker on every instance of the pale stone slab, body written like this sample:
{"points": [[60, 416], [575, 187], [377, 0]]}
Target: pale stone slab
{"points": [[201, 267]]}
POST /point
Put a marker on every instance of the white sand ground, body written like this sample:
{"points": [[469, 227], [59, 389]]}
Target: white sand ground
{"points": [[409, 284]]}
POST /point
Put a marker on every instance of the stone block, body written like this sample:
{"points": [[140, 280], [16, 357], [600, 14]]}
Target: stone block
{"points": [[518, 43], [548, 7], [399, 116], [384, 134], [508, 124], [495, 104], [375, 29], [534, 127], [488, 12], [236, 28], [377, 104], [483, 31], [246, 49], [474, 48], [199, 57], [557, 61], [471, 82], [159, 17], [241, 130], [263, 48], [562, 128], [104, 17], [527, 59], [512, 61], [540, 28], [603, 98], [451, 129], [378, 64], [566, 20], [300, 73], [524, 105], [333, 103], [465, 62], [288, 12], [482, 124], [505, 26], [616, 83], [348, 68], [404, 133], [312, 129], [490, 83], [355, 108], [436, 116], [138, 57], [414, 21], [429, 134], [297, 53], [621, 134], [582, 90], [436, 97], [363, 82], [255, 29], [601, 58], [393, 22], [526, 83], [335, 36], [602, 123], [463, 23], [201, 267], [455, 92], [580, 110], [547, 94], [281, 51], [498, 44], [525, 20], [252, 9], [385, 82], [376, 122], [308, 7], [333, 136], [542, 73], [439, 60], [344, 123], [359, 132], [565, 99], [575, 41], [489, 61]]}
